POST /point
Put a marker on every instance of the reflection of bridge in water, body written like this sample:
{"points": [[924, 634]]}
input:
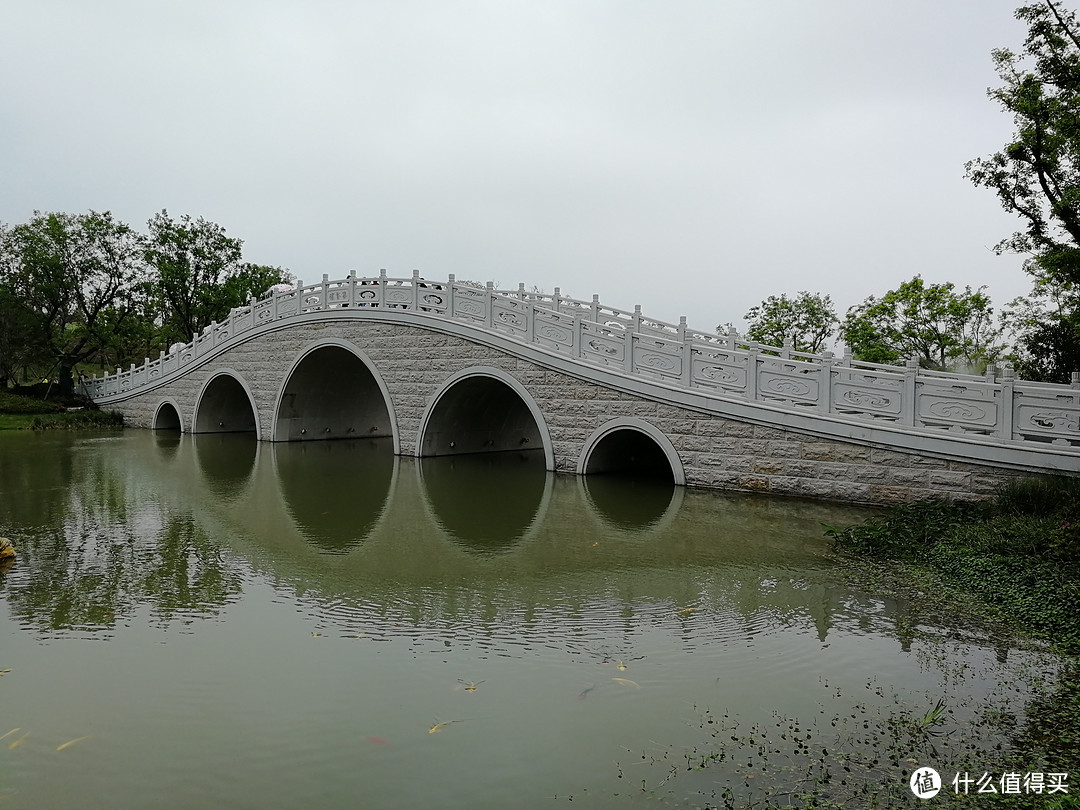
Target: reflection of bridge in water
{"points": [[445, 369]]}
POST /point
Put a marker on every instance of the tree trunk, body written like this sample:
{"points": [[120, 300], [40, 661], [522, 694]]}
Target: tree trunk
{"points": [[65, 386]]}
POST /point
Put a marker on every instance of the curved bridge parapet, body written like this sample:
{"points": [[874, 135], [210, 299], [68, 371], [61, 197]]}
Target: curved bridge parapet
{"points": [[992, 418]]}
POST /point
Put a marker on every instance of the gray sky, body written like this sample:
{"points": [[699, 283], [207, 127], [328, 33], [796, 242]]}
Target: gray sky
{"points": [[691, 157]]}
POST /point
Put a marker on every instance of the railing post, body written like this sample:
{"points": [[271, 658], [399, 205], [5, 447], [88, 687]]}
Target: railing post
{"points": [[637, 317], [490, 320], [687, 352], [1008, 402], [596, 308], [752, 358], [908, 408], [530, 319], [352, 289], [628, 351], [450, 296], [382, 288], [732, 337], [785, 351], [299, 296], [1075, 379], [825, 386], [416, 290], [555, 300], [576, 339]]}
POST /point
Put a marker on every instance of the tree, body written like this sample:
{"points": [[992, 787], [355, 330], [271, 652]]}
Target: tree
{"points": [[74, 273], [808, 319], [19, 329], [199, 275], [1046, 330], [930, 322], [190, 259], [1037, 174]]}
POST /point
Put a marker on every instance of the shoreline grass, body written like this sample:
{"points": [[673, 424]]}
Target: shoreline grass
{"points": [[18, 412]]}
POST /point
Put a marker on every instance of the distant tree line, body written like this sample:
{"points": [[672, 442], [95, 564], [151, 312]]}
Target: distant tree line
{"points": [[87, 288]]}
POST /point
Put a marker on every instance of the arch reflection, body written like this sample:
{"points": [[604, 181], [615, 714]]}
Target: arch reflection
{"points": [[337, 491], [486, 502], [632, 504], [226, 460], [167, 442]]}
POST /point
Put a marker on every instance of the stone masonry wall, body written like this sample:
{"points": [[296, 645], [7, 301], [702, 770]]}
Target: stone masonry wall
{"points": [[716, 452]]}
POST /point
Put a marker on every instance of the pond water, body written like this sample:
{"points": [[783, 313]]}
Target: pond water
{"points": [[206, 621]]}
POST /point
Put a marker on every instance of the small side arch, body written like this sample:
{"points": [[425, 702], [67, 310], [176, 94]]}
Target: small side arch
{"points": [[467, 400], [630, 445], [167, 416], [225, 404]]}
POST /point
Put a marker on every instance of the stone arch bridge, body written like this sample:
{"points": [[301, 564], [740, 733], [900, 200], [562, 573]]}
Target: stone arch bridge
{"points": [[442, 368]]}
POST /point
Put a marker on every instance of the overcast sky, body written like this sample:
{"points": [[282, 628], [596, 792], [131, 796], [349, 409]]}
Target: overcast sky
{"points": [[691, 157]]}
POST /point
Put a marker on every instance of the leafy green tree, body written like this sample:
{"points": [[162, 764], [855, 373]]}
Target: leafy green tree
{"points": [[190, 258], [808, 319], [75, 273], [199, 275], [931, 322], [1037, 174], [1046, 326], [19, 349]]}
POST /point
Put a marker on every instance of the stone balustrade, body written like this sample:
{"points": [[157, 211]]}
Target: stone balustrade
{"points": [[994, 408]]}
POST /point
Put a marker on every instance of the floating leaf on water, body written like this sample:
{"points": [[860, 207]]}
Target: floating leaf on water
{"points": [[435, 729], [70, 743]]}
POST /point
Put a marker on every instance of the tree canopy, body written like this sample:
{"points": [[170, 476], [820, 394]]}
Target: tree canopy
{"points": [[74, 273], [933, 323], [1036, 175], [808, 320], [81, 287]]}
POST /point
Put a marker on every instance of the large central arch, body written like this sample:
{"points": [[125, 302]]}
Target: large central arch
{"points": [[333, 392], [483, 410]]}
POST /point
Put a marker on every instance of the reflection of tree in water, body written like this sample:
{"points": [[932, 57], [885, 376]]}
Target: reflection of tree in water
{"points": [[335, 490], [226, 460], [84, 576], [35, 474], [629, 502], [185, 574], [486, 501], [93, 545]]}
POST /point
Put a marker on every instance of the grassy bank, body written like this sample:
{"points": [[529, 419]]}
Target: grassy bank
{"points": [[1016, 562], [1019, 555], [18, 412]]}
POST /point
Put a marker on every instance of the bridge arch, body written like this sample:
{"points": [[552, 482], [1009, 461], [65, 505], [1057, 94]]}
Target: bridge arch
{"points": [[225, 404], [167, 416], [631, 445], [333, 391], [483, 410]]}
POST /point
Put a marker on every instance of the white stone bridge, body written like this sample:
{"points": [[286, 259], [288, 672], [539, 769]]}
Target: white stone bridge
{"points": [[446, 368]]}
